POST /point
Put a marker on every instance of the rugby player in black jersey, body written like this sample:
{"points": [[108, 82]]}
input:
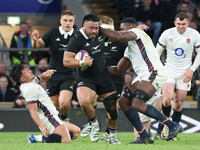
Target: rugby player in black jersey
{"points": [[96, 79], [113, 52], [60, 86]]}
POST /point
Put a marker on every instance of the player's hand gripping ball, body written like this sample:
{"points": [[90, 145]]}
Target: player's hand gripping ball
{"points": [[82, 55]]}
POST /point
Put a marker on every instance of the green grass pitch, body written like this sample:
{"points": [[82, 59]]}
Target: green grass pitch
{"points": [[17, 141]]}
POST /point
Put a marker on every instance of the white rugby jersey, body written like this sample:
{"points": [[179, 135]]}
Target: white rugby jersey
{"points": [[34, 93], [142, 54], [179, 49]]}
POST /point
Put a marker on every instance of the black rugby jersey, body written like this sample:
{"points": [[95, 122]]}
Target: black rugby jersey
{"points": [[57, 45], [94, 47], [113, 52]]}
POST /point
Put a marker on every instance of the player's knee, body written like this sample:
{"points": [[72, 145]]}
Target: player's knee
{"points": [[84, 102], [110, 105], [140, 94], [166, 102], [140, 97], [178, 108], [178, 105], [65, 106], [76, 134], [124, 104], [127, 94]]}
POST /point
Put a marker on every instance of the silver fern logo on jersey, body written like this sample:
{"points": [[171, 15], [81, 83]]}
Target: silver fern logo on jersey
{"points": [[45, 1]]}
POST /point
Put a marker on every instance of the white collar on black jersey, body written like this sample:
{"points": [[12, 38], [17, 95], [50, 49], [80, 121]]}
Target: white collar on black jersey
{"points": [[86, 37], [66, 33]]}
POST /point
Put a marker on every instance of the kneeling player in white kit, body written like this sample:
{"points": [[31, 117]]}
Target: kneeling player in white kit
{"points": [[41, 108]]}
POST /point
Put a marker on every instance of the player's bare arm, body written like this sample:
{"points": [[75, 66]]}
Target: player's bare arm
{"points": [[121, 67], [37, 42], [33, 111], [119, 36], [189, 74], [46, 75], [70, 61]]}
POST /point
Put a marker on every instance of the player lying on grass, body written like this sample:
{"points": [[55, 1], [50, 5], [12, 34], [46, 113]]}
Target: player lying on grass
{"points": [[41, 108]]}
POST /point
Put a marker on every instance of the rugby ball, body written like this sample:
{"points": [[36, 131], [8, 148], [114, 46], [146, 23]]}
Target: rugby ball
{"points": [[81, 55]]}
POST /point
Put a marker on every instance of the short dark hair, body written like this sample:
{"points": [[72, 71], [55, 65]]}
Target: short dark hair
{"points": [[68, 12], [91, 17], [129, 20], [181, 16], [16, 72]]}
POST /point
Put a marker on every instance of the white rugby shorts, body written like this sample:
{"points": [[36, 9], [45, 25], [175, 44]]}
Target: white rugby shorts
{"points": [[178, 81], [50, 126]]}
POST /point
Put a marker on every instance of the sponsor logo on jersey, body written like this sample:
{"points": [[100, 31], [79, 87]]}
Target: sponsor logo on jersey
{"points": [[188, 41], [100, 39], [71, 87], [96, 51], [80, 83], [114, 49], [63, 48], [96, 47], [57, 39], [106, 53], [171, 40], [63, 45], [87, 44]]}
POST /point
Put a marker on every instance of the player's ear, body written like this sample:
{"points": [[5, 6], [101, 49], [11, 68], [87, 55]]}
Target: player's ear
{"points": [[22, 79], [188, 23], [83, 25]]}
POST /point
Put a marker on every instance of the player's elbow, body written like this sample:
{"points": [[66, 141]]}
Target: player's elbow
{"points": [[66, 62], [120, 73]]}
